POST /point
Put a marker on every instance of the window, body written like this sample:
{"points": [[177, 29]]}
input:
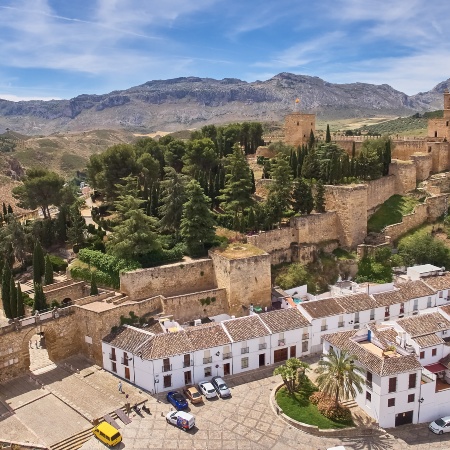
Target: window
{"points": [[368, 396], [416, 304], [166, 365], [434, 352], [227, 352], [244, 347], [324, 325], [244, 363], [369, 380], [402, 308], [207, 358], [187, 360], [304, 346], [167, 381], [429, 302], [357, 317], [411, 398], [441, 294], [281, 339], [387, 312], [208, 371], [341, 321], [422, 354], [372, 314], [391, 402], [412, 380], [392, 384], [113, 367]]}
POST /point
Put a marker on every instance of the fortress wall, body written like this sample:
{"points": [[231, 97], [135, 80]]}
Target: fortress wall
{"points": [[347, 145], [378, 191], [424, 164], [188, 307], [315, 228], [273, 240], [436, 206], [440, 154], [298, 127], [350, 204], [404, 149], [169, 280], [281, 256], [409, 222], [439, 128], [405, 175]]}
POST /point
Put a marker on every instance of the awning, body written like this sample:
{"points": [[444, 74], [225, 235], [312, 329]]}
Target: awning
{"points": [[435, 368]]}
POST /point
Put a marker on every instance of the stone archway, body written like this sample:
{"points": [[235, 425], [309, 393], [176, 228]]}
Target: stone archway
{"points": [[66, 301]]}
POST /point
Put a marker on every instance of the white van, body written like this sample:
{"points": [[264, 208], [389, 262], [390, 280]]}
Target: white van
{"points": [[181, 419]]}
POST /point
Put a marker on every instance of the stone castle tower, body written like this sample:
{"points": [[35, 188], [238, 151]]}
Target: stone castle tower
{"points": [[298, 127], [440, 128]]}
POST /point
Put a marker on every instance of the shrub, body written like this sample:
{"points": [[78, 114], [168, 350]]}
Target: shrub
{"points": [[58, 263], [316, 397], [103, 279], [328, 408], [161, 256]]}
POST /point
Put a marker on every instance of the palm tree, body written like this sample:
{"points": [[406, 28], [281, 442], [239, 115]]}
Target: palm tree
{"points": [[339, 376], [292, 372]]}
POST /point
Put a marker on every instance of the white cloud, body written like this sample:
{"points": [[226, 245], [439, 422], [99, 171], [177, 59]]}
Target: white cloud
{"points": [[18, 98]]}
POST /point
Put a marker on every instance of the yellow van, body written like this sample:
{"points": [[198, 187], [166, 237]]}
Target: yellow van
{"points": [[107, 434]]}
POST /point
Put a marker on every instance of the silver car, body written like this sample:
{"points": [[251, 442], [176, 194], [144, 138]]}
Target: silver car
{"points": [[221, 387], [207, 389]]}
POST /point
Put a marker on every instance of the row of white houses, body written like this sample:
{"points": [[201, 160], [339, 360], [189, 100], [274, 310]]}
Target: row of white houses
{"points": [[160, 360]]}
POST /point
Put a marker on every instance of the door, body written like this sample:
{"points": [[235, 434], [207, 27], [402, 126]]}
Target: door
{"points": [[226, 369], [262, 359], [127, 373], [404, 418], [280, 355], [187, 377], [293, 352]]}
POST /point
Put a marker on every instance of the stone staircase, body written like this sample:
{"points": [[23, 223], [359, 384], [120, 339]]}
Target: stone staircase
{"points": [[349, 403], [73, 442]]}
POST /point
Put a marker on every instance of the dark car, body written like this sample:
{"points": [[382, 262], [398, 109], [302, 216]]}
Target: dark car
{"points": [[177, 400], [221, 387]]}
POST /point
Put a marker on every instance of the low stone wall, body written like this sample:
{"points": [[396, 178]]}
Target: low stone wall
{"points": [[316, 431], [378, 191], [273, 240], [66, 290], [409, 222], [93, 298]]}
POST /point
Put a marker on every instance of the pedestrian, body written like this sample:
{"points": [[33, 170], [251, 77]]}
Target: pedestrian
{"points": [[120, 387]]}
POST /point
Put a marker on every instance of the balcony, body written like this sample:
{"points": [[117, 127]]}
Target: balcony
{"points": [[281, 342], [166, 367], [369, 384], [227, 355], [305, 337], [340, 324], [244, 350], [124, 361], [324, 328], [262, 346], [188, 363], [207, 360], [112, 357]]}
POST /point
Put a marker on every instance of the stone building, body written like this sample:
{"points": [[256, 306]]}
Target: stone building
{"points": [[298, 127]]}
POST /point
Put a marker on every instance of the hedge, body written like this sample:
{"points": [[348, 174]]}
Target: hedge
{"points": [[58, 263], [162, 256], [106, 263], [102, 278]]}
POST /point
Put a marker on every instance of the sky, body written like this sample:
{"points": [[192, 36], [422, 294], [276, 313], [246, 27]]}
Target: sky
{"points": [[54, 49]]}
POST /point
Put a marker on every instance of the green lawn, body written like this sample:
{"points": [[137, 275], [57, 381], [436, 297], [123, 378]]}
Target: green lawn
{"points": [[299, 408], [390, 212]]}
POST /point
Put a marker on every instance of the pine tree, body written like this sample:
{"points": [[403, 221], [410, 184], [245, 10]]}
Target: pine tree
{"points": [[197, 223], [38, 263], [328, 135], [6, 299], [319, 201], [94, 288], [75, 232], [280, 190], [48, 275], [12, 297], [20, 305], [302, 199], [311, 166]]}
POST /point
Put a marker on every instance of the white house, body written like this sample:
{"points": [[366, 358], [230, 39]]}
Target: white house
{"points": [[441, 284]]}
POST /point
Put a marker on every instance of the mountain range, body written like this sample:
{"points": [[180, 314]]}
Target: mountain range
{"points": [[192, 102]]}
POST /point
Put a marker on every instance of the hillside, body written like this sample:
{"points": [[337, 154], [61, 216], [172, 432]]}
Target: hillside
{"points": [[191, 102]]}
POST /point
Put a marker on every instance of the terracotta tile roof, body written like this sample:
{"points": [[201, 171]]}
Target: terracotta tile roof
{"points": [[245, 328], [322, 308], [414, 289], [356, 302], [438, 282], [127, 338], [371, 361], [424, 324], [386, 335], [284, 320], [207, 337], [166, 345], [388, 298], [445, 309], [446, 361], [428, 340]]}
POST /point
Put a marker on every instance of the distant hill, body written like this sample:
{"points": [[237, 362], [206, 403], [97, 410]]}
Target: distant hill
{"points": [[190, 102]]}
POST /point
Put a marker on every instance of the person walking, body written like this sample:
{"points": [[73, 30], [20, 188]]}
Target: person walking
{"points": [[120, 387]]}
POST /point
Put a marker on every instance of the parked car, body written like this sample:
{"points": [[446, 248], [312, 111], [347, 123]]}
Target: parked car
{"points": [[440, 426], [207, 389], [177, 400], [181, 419], [191, 392], [221, 387]]}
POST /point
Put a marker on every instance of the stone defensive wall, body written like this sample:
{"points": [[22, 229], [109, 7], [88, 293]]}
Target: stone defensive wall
{"points": [[378, 191], [403, 149], [405, 176], [424, 165], [65, 290], [185, 308], [169, 280], [315, 228], [271, 241]]}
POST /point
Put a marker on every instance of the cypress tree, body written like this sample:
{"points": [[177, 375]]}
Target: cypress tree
{"points": [[302, 199], [94, 288], [38, 263], [20, 305], [6, 299], [311, 166], [251, 220], [10, 210], [253, 182], [12, 298], [312, 140], [5, 210], [319, 201], [48, 275], [328, 135], [40, 302]]}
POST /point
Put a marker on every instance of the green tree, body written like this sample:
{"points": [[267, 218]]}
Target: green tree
{"points": [[94, 288], [174, 154], [236, 196], [12, 297], [173, 197], [20, 305], [200, 157], [6, 299], [368, 163], [48, 275], [197, 223], [292, 373], [319, 200], [296, 274], [38, 263], [77, 227], [311, 165], [40, 302], [328, 135], [339, 376], [280, 191], [40, 189], [302, 198]]}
